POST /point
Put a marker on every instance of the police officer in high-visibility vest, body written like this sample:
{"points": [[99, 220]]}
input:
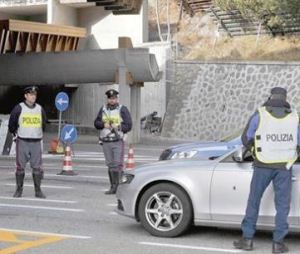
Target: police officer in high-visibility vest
{"points": [[113, 121], [273, 134], [26, 123]]}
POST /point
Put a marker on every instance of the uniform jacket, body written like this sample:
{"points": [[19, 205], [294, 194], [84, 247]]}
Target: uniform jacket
{"points": [[126, 124], [277, 108], [13, 123]]}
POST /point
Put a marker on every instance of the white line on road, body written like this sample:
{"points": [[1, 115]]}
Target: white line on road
{"points": [[44, 233], [111, 204], [40, 200], [44, 186], [43, 207], [113, 213], [102, 159], [80, 176], [190, 247], [77, 166]]}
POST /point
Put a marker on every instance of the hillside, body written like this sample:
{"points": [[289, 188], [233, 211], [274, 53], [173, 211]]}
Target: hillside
{"points": [[198, 38]]}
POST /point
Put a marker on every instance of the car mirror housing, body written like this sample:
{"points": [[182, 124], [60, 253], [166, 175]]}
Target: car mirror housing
{"points": [[238, 155]]}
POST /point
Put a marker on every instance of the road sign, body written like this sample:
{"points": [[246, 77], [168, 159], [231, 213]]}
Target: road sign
{"points": [[62, 101], [68, 134]]}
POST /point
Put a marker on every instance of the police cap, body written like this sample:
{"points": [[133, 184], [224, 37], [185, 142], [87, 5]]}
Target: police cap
{"points": [[278, 90], [30, 89], [111, 93]]}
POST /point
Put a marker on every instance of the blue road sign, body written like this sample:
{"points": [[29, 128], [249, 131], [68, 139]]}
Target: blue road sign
{"points": [[62, 101], [68, 134]]}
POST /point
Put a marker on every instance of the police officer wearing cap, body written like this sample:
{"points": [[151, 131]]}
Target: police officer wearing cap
{"points": [[26, 123], [113, 121], [273, 135]]}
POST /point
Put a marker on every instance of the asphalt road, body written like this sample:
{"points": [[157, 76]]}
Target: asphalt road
{"points": [[78, 218]]}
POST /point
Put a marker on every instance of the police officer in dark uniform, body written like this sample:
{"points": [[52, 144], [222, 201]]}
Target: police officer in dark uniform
{"points": [[273, 135], [26, 123], [113, 121]]}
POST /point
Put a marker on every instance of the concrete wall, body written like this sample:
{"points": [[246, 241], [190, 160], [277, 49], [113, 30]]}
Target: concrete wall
{"points": [[212, 100], [61, 14], [104, 28], [153, 94]]}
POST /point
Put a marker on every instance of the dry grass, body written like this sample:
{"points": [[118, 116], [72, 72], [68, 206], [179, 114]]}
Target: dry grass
{"points": [[245, 48], [198, 39]]}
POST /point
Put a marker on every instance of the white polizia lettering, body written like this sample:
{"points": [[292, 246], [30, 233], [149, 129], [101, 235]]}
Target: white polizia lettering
{"points": [[284, 137]]}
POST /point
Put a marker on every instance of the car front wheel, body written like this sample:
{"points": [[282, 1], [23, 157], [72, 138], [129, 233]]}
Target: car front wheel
{"points": [[165, 210]]}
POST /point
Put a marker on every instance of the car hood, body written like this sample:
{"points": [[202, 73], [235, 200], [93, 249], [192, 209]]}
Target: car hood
{"points": [[198, 146], [175, 164]]}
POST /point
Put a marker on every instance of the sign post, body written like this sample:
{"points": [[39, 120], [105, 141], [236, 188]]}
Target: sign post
{"points": [[61, 103], [68, 136]]}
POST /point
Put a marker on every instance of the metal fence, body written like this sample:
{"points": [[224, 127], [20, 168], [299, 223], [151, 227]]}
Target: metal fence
{"points": [[6, 3]]}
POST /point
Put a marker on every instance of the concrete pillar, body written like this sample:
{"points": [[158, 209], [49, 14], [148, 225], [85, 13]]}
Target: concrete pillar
{"points": [[135, 109], [130, 96], [124, 88]]}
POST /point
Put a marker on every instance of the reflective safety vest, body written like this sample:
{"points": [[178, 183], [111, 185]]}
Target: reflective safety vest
{"points": [[30, 122], [276, 138], [111, 117]]}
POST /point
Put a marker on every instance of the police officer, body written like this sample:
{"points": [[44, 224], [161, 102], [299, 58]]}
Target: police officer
{"points": [[273, 133], [26, 123], [113, 121]]}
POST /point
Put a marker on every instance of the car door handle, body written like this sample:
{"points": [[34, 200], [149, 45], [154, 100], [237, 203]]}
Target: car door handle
{"points": [[294, 178]]}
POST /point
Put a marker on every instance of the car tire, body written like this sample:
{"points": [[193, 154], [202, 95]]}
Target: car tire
{"points": [[165, 210]]}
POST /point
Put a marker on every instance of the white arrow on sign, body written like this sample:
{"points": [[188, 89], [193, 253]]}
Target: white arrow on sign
{"points": [[68, 134], [61, 101]]}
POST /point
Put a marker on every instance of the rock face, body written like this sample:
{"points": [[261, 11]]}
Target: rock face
{"points": [[212, 100]]}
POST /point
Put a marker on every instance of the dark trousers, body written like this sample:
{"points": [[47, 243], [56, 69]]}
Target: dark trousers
{"points": [[29, 151], [114, 155], [282, 181]]}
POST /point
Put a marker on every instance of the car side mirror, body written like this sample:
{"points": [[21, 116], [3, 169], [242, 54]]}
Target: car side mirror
{"points": [[238, 155]]}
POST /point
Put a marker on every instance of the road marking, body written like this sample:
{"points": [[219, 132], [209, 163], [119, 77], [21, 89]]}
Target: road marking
{"points": [[44, 186], [76, 166], [44, 233], [19, 240], [112, 205], [43, 208], [78, 176], [190, 247], [113, 213], [40, 200]]}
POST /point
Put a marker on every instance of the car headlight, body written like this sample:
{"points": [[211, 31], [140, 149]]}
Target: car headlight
{"points": [[126, 178], [184, 155]]}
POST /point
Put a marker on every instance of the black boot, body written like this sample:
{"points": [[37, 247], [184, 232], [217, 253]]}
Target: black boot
{"points": [[37, 179], [110, 191], [19, 182], [244, 244], [116, 178], [279, 247]]}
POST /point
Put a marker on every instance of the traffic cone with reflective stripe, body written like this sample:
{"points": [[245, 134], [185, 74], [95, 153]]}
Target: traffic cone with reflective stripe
{"points": [[67, 166], [130, 159]]}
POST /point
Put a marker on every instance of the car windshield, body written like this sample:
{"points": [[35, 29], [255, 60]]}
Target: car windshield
{"points": [[232, 136]]}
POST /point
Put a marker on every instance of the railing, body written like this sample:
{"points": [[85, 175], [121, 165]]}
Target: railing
{"points": [[11, 3]]}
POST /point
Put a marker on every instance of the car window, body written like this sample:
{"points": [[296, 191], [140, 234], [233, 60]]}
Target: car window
{"points": [[232, 136], [247, 158]]}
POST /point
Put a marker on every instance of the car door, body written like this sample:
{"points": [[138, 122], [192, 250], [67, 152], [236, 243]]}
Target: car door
{"points": [[230, 189]]}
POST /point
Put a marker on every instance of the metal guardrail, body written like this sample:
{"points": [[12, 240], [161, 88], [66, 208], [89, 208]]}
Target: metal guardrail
{"points": [[10, 3]]}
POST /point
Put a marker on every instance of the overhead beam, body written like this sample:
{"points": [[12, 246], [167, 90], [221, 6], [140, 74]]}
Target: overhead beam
{"points": [[76, 67]]}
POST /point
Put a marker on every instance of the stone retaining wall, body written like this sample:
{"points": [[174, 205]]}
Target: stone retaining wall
{"points": [[212, 100]]}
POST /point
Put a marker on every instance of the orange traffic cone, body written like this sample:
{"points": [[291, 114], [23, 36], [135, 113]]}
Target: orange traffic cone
{"points": [[67, 166], [130, 159]]}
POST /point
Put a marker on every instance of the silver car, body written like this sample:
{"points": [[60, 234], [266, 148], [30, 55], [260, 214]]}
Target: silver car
{"points": [[167, 197]]}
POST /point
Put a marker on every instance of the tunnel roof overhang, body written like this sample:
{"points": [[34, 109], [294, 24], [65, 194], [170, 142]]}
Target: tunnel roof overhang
{"points": [[88, 66]]}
